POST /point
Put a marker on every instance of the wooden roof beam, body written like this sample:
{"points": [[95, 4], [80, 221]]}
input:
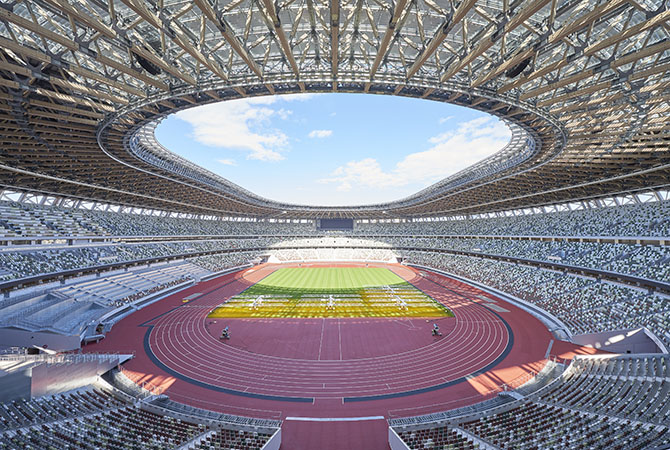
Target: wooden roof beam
{"points": [[232, 40], [178, 37], [440, 35], [43, 57], [491, 37], [89, 21], [388, 36], [283, 41], [334, 36]]}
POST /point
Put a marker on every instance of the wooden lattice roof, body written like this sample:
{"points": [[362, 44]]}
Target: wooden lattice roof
{"points": [[584, 85]]}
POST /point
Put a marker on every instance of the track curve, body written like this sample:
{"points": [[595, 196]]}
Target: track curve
{"points": [[276, 368], [180, 340]]}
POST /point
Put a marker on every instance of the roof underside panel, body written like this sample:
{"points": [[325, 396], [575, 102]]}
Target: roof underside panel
{"points": [[583, 84]]}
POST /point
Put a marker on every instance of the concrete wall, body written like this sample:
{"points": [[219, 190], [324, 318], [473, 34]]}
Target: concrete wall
{"points": [[12, 337], [395, 442], [49, 379], [621, 341], [274, 443], [15, 385], [53, 379]]}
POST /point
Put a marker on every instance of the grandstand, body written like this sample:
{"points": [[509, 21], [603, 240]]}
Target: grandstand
{"points": [[544, 269], [515, 261], [101, 415], [597, 402]]}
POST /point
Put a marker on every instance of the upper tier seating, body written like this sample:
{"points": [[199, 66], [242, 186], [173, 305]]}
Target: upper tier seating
{"points": [[649, 219], [584, 305], [23, 220]]}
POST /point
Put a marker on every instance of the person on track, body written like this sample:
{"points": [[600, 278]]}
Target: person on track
{"points": [[436, 330], [225, 334]]}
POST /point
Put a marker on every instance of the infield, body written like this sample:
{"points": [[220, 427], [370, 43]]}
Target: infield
{"points": [[331, 292]]}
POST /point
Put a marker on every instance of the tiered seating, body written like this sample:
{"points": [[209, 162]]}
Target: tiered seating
{"points": [[25, 263], [598, 402], [644, 261], [223, 261], [67, 316], [533, 426], [94, 418], [128, 427], [584, 305], [24, 220], [68, 309], [141, 225], [25, 413], [436, 438], [650, 219], [234, 439], [629, 388]]}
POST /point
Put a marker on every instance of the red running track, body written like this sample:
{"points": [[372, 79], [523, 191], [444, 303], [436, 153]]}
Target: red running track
{"points": [[330, 368]]}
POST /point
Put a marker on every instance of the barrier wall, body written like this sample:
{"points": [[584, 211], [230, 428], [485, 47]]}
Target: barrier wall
{"points": [[274, 443], [637, 340], [49, 379], [15, 385], [395, 442], [13, 337]]}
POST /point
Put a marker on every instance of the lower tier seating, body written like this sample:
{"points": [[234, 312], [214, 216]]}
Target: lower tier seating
{"points": [[619, 402]]}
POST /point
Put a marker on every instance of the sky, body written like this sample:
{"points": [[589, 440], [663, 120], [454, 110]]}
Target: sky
{"points": [[333, 149]]}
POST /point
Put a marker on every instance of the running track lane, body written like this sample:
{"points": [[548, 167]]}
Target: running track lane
{"points": [[531, 340], [180, 341]]}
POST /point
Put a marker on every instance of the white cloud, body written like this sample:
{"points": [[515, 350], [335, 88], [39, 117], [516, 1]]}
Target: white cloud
{"points": [[243, 125], [452, 151], [445, 119], [284, 114], [320, 134], [228, 162], [364, 173]]}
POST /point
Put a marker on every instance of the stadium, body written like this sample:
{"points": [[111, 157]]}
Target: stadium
{"points": [[147, 302]]}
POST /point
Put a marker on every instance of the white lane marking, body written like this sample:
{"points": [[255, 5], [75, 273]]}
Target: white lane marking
{"points": [[339, 335], [323, 325], [335, 419]]}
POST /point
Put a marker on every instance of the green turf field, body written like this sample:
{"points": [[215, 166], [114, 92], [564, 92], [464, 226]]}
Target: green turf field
{"points": [[331, 292]]}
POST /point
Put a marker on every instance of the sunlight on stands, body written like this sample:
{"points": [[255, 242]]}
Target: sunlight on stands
{"points": [[505, 378], [150, 382]]}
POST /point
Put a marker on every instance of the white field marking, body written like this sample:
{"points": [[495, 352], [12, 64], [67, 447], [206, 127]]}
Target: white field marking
{"points": [[339, 336], [335, 419], [323, 326]]}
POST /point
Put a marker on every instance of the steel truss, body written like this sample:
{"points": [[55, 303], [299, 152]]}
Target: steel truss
{"points": [[584, 85]]}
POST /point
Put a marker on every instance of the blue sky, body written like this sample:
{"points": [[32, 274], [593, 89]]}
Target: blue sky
{"points": [[333, 149]]}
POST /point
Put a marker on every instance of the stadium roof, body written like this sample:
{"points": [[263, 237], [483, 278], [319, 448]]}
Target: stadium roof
{"points": [[584, 86]]}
